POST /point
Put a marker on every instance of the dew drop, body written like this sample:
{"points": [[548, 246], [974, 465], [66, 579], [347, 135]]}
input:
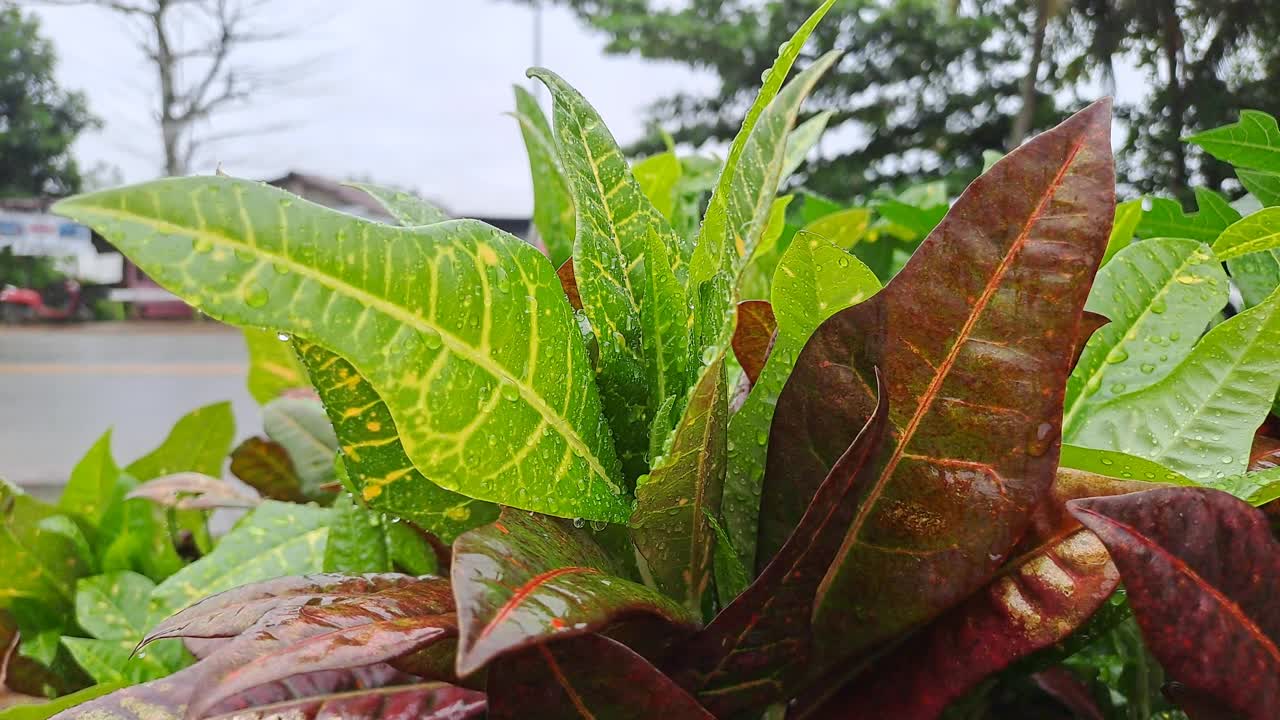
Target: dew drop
{"points": [[255, 296], [202, 245], [1118, 388], [510, 391], [599, 525], [1117, 355], [1148, 368], [579, 522], [432, 339], [283, 337], [709, 355]]}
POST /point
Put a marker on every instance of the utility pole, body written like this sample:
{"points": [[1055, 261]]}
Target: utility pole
{"points": [[537, 46]]}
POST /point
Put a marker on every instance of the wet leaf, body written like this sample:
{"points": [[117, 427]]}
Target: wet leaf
{"points": [[753, 336], [659, 178], [273, 367], [554, 214], [570, 284], [1200, 564], [1160, 295], [802, 140], [1125, 226], [1259, 232], [468, 365], [585, 677], [264, 465], [524, 579], [357, 539], [1167, 219], [40, 565], [425, 701], [193, 491], [406, 208], [665, 318], [975, 365]]}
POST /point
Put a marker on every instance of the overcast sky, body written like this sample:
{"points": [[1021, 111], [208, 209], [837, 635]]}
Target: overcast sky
{"points": [[409, 92]]}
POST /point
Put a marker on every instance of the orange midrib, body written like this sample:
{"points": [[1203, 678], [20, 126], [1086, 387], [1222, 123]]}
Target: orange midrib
{"points": [[524, 591]]}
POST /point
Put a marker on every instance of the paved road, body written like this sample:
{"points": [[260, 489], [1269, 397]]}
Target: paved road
{"points": [[62, 386]]}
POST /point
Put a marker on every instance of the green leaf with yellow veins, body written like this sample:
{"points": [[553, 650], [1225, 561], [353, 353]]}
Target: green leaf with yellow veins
{"points": [[659, 175], [553, 212], [462, 329], [1199, 420], [114, 608], [665, 316], [814, 280], [407, 209], [273, 368], [671, 526], [615, 219], [1259, 232], [39, 564], [1167, 219], [1159, 295], [375, 459]]}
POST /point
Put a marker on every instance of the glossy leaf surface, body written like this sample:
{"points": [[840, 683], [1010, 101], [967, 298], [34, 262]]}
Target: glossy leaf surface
{"points": [[426, 701], [405, 207], [1128, 215], [802, 140], [1167, 219], [1200, 564], [273, 367], [666, 321], [553, 211], [1259, 232], [469, 363], [659, 178], [975, 364], [753, 336], [524, 579]]}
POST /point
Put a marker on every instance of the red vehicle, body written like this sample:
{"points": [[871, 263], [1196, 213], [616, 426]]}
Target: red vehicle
{"points": [[60, 301]]}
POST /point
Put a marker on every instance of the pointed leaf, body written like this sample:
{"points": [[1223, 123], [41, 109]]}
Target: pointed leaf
{"points": [[300, 426], [374, 456], [664, 316], [110, 661], [753, 336], [426, 701], [659, 176], [586, 678], [803, 139], [1200, 564], [1166, 218], [114, 606], [553, 211], [1265, 186], [405, 207], [1200, 419], [1253, 142], [273, 366], [761, 647], [757, 276], [264, 465], [455, 299], [814, 281], [526, 578], [975, 337], [193, 491], [43, 710], [1259, 232], [1128, 215], [1160, 295], [92, 485], [1117, 465], [199, 442], [357, 540]]}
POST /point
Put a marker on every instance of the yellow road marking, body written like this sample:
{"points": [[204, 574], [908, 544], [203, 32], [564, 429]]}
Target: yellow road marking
{"points": [[200, 369]]}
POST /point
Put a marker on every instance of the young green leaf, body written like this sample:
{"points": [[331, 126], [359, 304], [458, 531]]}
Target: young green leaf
{"points": [[1118, 465], [659, 178], [135, 535], [1253, 142], [439, 319], [1259, 232], [273, 367], [1199, 420], [1125, 226], [1166, 218], [93, 483], [975, 338], [1265, 186], [814, 281], [757, 276], [1256, 275], [114, 609], [803, 139], [525, 579], [357, 539], [199, 442], [406, 208], [670, 525], [1160, 295], [554, 214], [109, 661]]}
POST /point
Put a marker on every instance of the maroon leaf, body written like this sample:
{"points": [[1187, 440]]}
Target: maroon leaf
{"points": [[265, 466], [758, 649], [428, 701], [1265, 454], [1202, 572], [975, 340], [8, 696], [753, 336], [194, 491], [569, 281], [1060, 684], [526, 578], [586, 677]]}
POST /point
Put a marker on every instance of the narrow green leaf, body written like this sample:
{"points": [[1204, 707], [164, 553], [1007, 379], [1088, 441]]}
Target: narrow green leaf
{"points": [[374, 457], [275, 539], [463, 329], [730, 574], [659, 177], [803, 139], [357, 541], [199, 442], [815, 280], [553, 211], [301, 427], [273, 368], [1160, 295], [1253, 142], [1259, 232], [670, 526], [757, 276], [407, 209], [1128, 215], [93, 482], [42, 711], [666, 324], [1200, 419], [1167, 219]]}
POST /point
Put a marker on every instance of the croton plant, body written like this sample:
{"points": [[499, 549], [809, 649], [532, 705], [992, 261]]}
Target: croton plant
{"points": [[713, 469]]}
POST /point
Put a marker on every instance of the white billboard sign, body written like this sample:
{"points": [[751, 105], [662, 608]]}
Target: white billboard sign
{"points": [[40, 234]]}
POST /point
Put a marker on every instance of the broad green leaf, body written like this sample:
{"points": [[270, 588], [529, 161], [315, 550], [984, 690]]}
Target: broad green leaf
{"points": [[439, 319], [301, 427], [199, 442], [1160, 296], [39, 564], [1128, 215], [1263, 185], [93, 483], [843, 229], [670, 526], [405, 207], [912, 222], [357, 541], [667, 325], [275, 539], [803, 139], [730, 574], [109, 661], [659, 177], [135, 535], [815, 280], [273, 368], [1200, 419], [42, 711], [1167, 219], [1259, 232], [374, 457], [1257, 275], [615, 219], [553, 211], [1118, 465], [114, 606], [1253, 142]]}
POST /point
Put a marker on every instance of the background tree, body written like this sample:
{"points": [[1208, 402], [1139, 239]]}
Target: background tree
{"points": [[38, 120]]}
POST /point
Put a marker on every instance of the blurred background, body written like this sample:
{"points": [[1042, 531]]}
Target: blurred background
{"points": [[308, 94]]}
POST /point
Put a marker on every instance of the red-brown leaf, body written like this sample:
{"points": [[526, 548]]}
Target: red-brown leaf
{"points": [[589, 677], [753, 336], [427, 701], [975, 339], [1202, 571], [1265, 453], [569, 281], [265, 466]]}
